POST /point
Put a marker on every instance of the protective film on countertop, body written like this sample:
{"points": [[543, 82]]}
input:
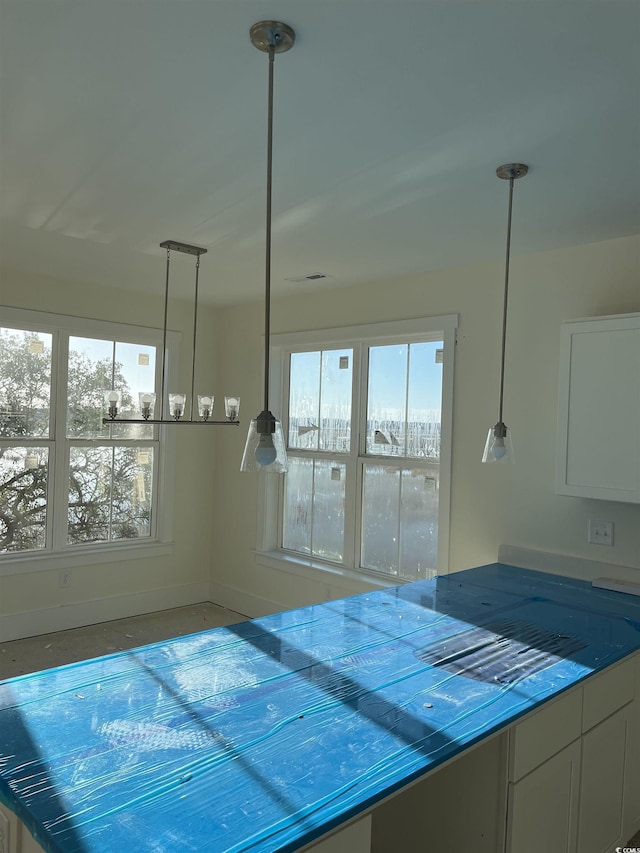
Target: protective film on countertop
{"points": [[264, 735]]}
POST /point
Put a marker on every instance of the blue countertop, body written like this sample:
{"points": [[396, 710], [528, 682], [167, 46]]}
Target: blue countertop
{"points": [[265, 735]]}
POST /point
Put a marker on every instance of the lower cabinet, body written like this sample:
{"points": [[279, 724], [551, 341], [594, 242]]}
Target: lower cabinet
{"points": [[604, 750], [355, 838], [573, 769], [543, 806]]}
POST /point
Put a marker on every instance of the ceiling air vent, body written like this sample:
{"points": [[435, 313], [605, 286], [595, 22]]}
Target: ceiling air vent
{"points": [[312, 276]]}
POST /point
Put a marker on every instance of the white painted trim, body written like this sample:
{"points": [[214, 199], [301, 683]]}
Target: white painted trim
{"points": [[350, 581], [241, 601], [418, 327], [43, 561], [337, 582], [16, 626], [269, 522], [565, 564]]}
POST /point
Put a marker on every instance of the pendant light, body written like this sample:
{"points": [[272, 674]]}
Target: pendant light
{"points": [[498, 446], [265, 448], [177, 399]]}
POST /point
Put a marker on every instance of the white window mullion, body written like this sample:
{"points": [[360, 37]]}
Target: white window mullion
{"points": [[60, 501]]}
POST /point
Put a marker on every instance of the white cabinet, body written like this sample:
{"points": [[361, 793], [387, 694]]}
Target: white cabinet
{"points": [[573, 779], [598, 440], [604, 751], [543, 806], [355, 838]]}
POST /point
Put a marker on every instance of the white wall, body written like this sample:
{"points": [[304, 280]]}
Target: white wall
{"points": [[215, 524], [490, 504], [33, 602]]}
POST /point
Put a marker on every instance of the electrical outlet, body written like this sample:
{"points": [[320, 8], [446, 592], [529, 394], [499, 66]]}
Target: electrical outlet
{"points": [[601, 532], [64, 578]]}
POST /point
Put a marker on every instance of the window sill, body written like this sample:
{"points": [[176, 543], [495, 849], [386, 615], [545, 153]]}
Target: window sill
{"points": [[33, 561], [315, 570]]}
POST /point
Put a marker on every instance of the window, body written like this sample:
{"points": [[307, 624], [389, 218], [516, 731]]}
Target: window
{"points": [[68, 482], [367, 415]]}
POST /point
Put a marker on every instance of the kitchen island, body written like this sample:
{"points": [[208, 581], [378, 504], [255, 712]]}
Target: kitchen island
{"points": [[274, 733]]}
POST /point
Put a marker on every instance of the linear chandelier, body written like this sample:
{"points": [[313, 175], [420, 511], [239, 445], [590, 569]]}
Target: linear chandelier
{"points": [[176, 400], [265, 447], [499, 446]]}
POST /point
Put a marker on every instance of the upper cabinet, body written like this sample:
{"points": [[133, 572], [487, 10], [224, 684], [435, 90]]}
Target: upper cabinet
{"points": [[598, 444]]}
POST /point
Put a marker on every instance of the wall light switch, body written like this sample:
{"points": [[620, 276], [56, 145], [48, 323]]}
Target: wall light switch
{"points": [[601, 532]]}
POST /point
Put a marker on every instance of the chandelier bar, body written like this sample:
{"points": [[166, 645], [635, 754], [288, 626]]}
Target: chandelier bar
{"points": [[176, 400]]}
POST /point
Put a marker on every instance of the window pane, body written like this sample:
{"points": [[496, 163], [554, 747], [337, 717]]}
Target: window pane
{"points": [[314, 508], [298, 483], [304, 399], [109, 493], [23, 497], [95, 366], [320, 400], [327, 536], [419, 522], [400, 520], [424, 399], [335, 400], [404, 400], [380, 518], [25, 383]]}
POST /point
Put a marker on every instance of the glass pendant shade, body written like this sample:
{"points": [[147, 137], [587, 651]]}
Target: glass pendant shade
{"points": [[177, 403], [498, 446], [147, 404], [265, 449], [232, 407], [205, 405]]}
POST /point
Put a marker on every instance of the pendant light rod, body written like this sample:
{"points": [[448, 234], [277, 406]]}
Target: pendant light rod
{"points": [[186, 249], [267, 264], [510, 172], [270, 37], [195, 332], [164, 329]]}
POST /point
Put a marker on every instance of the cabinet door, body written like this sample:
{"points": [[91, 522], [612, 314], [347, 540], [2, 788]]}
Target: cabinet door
{"points": [[604, 751], [598, 442], [543, 806], [356, 838]]}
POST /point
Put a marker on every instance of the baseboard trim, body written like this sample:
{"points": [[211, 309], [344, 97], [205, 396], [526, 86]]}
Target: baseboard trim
{"points": [[243, 602], [16, 626]]}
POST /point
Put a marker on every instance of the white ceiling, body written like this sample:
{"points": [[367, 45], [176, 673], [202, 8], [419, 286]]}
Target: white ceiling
{"points": [[128, 122]]}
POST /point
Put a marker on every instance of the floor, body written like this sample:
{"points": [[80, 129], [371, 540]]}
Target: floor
{"points": [[32, 654], [43, 652]]}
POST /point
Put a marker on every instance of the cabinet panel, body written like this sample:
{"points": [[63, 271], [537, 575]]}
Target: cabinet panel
{"points": [[602, 779], [356, 838], [543, 806], [604, 694], [544, 733], [599, 409]]}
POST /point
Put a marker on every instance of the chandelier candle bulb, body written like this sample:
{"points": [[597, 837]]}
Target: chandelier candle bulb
{"points": [[205, 405], [147, 402], [176, 405], [111, 399], [232, 407]]}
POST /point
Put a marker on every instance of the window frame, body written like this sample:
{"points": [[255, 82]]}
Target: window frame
{"points": [[59, 554], [269, 551]]}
